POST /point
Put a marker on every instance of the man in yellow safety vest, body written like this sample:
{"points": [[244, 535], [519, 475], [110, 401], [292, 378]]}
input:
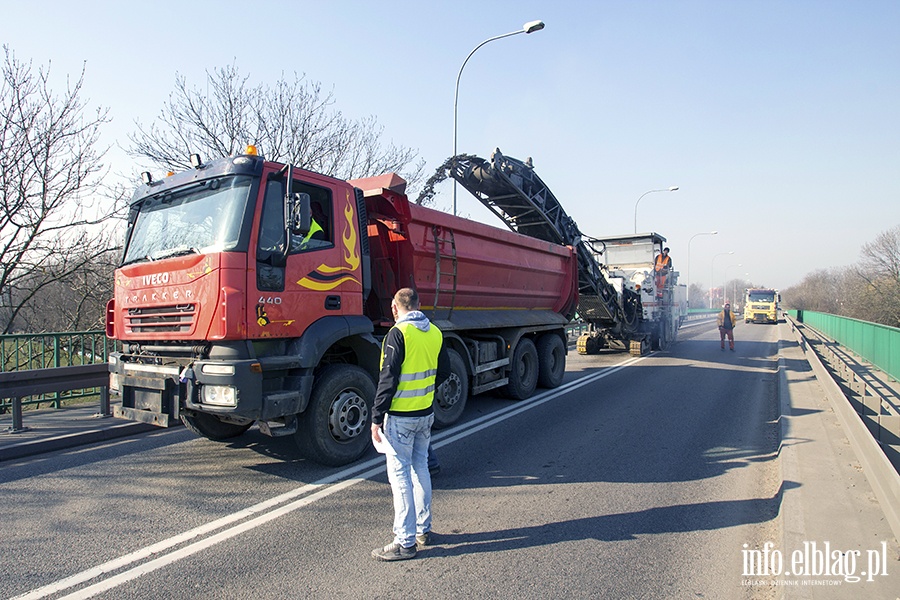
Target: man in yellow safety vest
{"points": [[413, 364]]}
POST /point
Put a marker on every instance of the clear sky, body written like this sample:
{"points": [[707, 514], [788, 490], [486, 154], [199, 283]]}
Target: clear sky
{"points": [[778, 120]]}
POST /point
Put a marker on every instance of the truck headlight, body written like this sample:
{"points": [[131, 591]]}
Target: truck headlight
{"points": [[218, 395]]}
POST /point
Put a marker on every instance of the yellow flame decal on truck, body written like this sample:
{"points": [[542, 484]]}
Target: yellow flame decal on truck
{"points": [[205, 269], [327, 277], [349, 237]]}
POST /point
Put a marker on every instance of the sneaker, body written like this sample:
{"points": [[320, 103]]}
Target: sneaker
{"points": [[424, 539], [394, 551]]}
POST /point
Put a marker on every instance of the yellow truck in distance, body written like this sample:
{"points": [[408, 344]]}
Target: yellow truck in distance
{"points": [[761, 305]]}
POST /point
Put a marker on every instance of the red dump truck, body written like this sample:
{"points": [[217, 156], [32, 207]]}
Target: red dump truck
{"points": [[254, 292]]}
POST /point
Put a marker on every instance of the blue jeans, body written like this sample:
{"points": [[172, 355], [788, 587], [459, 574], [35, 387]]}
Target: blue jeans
{"points": [[408, 473], [433, 462]]}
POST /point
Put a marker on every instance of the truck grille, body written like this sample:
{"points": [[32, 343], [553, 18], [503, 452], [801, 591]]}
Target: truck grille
{"points": [[158, 319]]}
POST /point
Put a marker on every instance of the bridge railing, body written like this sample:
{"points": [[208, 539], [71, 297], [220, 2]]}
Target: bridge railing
{"points": [[53, 369], [878, 344], [25, 351]]}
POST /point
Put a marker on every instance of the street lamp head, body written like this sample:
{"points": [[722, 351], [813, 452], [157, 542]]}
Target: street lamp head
{"points": [[529, 27], [674, 188], [713, 233]]}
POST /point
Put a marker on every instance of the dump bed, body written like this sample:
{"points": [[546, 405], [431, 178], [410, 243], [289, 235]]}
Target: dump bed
{"points": [[468, 274]]}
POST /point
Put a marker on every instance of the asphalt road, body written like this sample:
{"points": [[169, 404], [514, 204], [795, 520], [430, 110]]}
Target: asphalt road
{"points": [[638, 478]]}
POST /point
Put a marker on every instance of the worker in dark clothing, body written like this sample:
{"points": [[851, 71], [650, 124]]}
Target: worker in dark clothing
{"points": [[726, 326], [414, 364]]}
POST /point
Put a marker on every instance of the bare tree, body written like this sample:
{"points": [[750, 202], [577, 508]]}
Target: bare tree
{"points": [[75, 301], [823, 290], [50, 190], [697, 296], [879, 272], [290, 121]]}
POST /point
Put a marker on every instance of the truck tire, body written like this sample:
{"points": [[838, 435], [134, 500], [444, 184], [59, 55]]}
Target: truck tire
{"points": [[335, 429], [523, 373], [211, 427], [450, 398], [551, 360]]}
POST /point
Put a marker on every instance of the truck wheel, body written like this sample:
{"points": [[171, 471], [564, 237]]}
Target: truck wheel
{"points": [[523, 374], [335, 428], [211, 427], [450, 398], [551, 353]]}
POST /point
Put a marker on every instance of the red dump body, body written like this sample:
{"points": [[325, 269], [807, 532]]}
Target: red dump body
{"points": [[498, 275]]}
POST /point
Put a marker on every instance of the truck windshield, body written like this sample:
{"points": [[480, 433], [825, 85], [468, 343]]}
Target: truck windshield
{"points": [[763, 296], [199, 218]]}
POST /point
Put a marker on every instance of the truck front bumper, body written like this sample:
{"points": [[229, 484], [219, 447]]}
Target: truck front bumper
{"points": [[157, 393]]}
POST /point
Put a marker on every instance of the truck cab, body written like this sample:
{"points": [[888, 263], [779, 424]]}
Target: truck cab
{"points": [[761, 305], [240, 279]]}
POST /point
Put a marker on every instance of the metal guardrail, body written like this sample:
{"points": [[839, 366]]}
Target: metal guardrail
{"points": [[875, 404], [35, 382]]}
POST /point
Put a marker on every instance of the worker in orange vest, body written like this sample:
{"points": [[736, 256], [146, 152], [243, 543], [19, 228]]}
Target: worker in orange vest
{"points": [[662, 267]]}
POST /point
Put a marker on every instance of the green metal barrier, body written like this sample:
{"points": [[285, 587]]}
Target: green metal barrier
{"points": [[26, 352], [878, 344]]}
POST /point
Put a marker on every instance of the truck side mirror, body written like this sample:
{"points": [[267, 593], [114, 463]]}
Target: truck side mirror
{"points": [[299, 217]]}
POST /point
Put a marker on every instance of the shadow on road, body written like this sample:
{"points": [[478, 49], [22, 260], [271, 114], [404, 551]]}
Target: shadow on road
{"points": [[615, 527]]}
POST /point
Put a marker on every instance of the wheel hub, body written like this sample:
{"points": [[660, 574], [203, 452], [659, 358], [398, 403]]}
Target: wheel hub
{"points": [[348, 416], [449, 392]]}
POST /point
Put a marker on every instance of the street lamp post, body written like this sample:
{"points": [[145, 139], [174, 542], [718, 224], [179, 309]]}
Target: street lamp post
{"points": [[711, 279], [529, 27], [673, 188], [689, 261]]}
